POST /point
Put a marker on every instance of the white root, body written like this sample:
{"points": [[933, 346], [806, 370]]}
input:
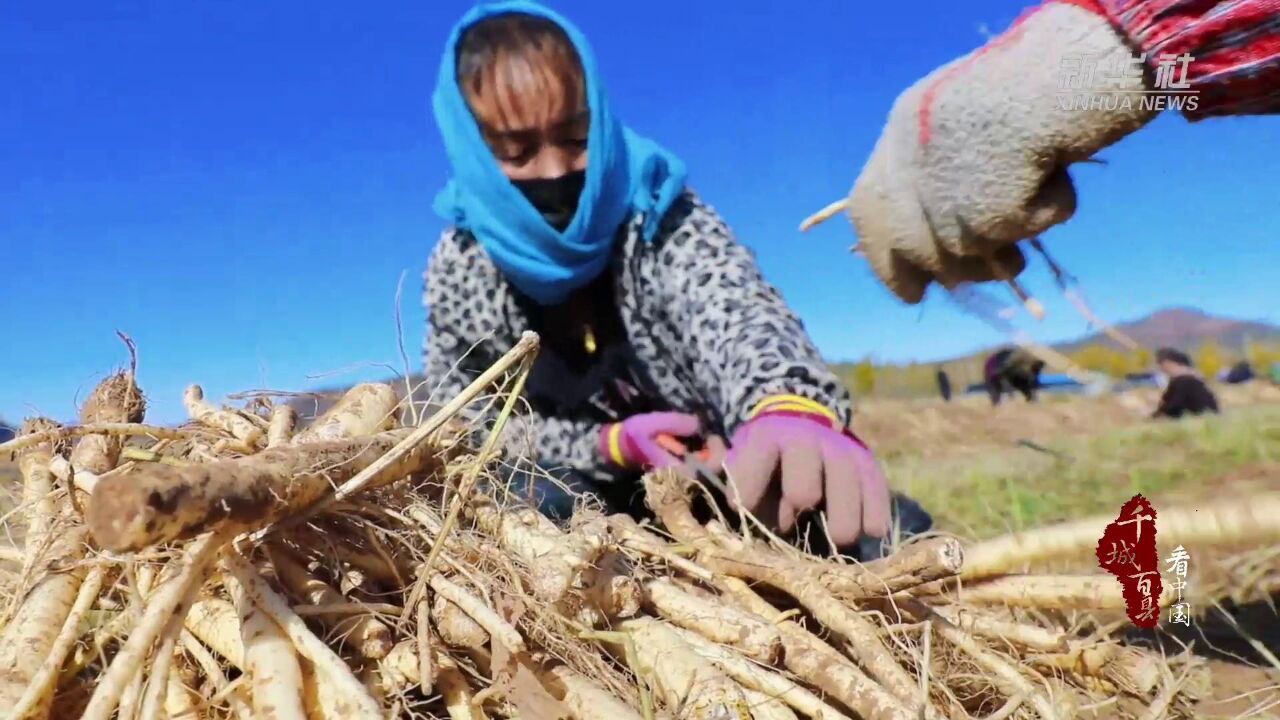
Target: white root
{"points": [[637, 538], [754, 677], [180, 703], [456, 628], [355, 698], [765, 707], [321, 699], [274, 673], [131, 699], [215, 623], [209, 665], [585, 699], [205, 413], [161, 665], [1132, 670], [366, 409], [1032, 637], [1004, 674], [280, 429], [682, 677], [457, 694], [611, 589], [396, 457], [160, 607], [426, 669], [399, 669], [53, 553], [84, 480], [917, 563], [497, 628], [666, 493], [824, 214], [38, 694], [110, 428], [717, 622], [364, 632], [554, 559], [1083, 592]]}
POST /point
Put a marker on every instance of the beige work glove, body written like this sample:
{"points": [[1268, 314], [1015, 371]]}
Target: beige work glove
{"points": [[974, 157]]}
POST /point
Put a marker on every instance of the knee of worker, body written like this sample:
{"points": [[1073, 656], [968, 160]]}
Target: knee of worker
{"points": [[907, 518], [555, 493]]}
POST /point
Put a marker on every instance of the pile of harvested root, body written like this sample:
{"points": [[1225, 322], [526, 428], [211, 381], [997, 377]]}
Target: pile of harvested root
{"points": [[362, 567]]}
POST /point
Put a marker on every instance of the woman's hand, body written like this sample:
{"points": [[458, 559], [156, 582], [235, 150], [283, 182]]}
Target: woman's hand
{"points": [[792, 456], [633, 443]]}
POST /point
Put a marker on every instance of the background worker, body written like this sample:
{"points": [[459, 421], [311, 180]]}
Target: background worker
{"points": [[654, 320], [1010, 370], [944, 384], [1185, 392]]}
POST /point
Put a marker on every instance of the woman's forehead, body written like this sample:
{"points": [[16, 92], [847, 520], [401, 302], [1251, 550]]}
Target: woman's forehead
{"points": [[518, 93]]}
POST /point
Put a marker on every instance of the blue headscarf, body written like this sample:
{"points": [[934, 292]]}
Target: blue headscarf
{"points": [[626, 174]]}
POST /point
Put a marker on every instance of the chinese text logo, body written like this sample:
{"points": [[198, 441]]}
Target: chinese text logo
{"points": [[1180, 611], [1089, 82], [1128, 551]]}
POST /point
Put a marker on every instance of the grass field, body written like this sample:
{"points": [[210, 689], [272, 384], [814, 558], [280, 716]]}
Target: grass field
{"points": [[1020, 486]]}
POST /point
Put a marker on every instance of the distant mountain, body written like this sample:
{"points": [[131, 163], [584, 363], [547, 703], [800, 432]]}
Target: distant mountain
{"points": [[1186, 329]]}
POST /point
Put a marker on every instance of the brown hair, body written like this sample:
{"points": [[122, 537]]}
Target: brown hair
{"points": [[1177, 357], [514, 55]]}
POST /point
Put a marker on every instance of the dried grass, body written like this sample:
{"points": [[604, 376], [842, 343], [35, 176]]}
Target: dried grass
{"points": [[374, 586]]}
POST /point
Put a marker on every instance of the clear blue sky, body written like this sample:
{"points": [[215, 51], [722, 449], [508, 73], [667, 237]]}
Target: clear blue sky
{"points": [[238, 185]]}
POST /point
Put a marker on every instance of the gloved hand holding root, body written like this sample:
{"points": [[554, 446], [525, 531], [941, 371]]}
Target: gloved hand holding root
{"points": [[974, 157], [792, 456]]}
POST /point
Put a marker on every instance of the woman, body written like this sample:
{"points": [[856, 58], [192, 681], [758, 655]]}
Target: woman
{"points": [[1010, 370], [654, 320], [1185, 391]]}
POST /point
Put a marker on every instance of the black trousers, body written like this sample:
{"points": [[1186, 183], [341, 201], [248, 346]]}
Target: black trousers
{"points": [[907, 516]]}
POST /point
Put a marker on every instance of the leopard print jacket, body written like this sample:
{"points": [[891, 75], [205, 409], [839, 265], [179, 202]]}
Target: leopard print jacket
{"points": [[709, 330]]}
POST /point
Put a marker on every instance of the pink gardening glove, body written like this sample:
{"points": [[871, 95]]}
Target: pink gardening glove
{"points": [[973, 158], [633, 443], [797, 444]]}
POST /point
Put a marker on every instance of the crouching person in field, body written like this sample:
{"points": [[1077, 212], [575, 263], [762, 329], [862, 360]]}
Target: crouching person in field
{"points": [[1185, 393], [654, 320], [1012, 370]]}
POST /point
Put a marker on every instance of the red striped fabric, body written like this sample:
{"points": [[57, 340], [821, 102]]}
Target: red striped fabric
{"points": [[1234, 48]]}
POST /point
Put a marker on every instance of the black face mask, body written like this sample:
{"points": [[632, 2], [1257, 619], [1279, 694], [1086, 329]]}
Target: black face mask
{"points": [[556, 198]]}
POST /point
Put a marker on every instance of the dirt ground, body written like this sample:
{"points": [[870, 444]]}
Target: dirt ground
{"points": [[1240, 691]]}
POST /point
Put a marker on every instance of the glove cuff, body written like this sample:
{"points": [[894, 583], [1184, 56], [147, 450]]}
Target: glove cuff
{"points": [[616, 447], [801, 407], [793, 404]]}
